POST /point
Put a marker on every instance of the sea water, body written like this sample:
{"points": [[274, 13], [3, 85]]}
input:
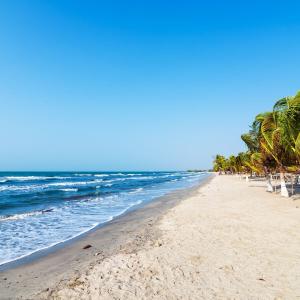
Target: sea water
{"points": [[39, 210]]}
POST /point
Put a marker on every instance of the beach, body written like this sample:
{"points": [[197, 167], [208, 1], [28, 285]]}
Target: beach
{"points": [[225, 239], [39, 210]]}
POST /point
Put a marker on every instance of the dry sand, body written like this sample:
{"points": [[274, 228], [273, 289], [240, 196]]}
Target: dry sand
{"points": [[228, 240]]}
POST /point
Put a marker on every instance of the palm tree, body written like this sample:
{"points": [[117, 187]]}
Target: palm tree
{"points": [[219, 163], [252, 140], [273, 143], [275, 135], [232, 164], [287, 116]]}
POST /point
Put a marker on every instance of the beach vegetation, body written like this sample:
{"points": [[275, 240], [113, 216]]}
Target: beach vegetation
{"points": [[273, 145]]}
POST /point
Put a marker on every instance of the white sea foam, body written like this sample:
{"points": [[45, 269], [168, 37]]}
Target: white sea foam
{"points": [[24, 215], [142, 178], [51, 245], [30, 178], [73, 183], [69, 190], [97, 180], [114, 180], [25, 178], [34, 187], [133, 174], [82, 174], [16, 188], [108, 218], [69, 183], [136, 191]]}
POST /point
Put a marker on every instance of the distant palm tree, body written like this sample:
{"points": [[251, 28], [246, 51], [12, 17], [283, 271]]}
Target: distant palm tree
{"points": [[219, 164]]}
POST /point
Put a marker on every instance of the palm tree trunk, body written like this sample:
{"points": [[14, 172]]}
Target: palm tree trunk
{"points": [[269, 184], [284, 190]]}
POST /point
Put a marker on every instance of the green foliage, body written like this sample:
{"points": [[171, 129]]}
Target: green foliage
{"points": [[273, 142]]}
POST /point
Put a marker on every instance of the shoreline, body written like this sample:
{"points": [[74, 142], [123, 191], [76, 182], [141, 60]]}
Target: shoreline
{"points": [[65, 258], [40, 253], [229, 239]]}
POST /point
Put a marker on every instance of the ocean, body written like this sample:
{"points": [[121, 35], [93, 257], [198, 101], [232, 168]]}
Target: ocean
{"points": [[41, 209]]}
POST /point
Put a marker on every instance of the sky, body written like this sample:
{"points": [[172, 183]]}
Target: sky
{"points": [[139, 85]]}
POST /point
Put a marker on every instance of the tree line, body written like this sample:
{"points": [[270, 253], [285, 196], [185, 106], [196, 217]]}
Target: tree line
{"points": [[273, 144]]}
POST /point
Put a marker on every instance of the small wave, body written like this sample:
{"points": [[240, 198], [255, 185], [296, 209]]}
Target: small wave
{"points": [[53, 244], [130, 178], [82, 174], [97, 181], [136, 191], [70, 183], [15, 188], [108, 184], [35, 187], [101, 175], [24, 215], [69, 190], [142, 178], [30, 178], [115, 180], [168, 175], [25, 178], [134, 174]]}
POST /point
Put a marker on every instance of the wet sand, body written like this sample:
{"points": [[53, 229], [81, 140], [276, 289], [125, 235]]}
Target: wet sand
{"points": [[130, 232], [227, 239]]}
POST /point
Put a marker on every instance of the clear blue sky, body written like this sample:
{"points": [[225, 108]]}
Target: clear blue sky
{"points": [[139, 85]]}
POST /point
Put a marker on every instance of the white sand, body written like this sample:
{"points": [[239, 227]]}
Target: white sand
{"points": [[230, 241]]}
